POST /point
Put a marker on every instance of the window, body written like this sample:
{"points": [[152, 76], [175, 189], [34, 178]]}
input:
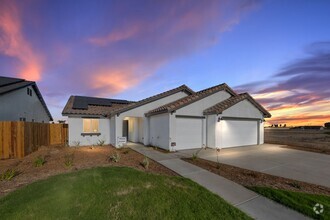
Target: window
{"points": [[90, 125], [22, 119]]}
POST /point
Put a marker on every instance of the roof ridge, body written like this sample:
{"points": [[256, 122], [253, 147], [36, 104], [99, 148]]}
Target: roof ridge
{"points": [[225, 104], [183, 88], [191, 98]]}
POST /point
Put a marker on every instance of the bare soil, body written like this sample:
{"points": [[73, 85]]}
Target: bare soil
{"points": [[83, 158], [250, 178], [308, 140]]}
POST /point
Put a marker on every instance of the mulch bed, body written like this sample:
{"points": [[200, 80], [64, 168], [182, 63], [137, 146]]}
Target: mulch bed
{"points": [[250, 178], [83, 158]]}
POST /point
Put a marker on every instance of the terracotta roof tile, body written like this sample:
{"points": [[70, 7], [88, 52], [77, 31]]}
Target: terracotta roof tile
{"points": [[221, 106], [182, 88], [190, 99]]}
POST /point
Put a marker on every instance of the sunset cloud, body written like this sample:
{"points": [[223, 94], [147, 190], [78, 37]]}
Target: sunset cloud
{"points": [[299, 93], [14, 44], [153, 34]]}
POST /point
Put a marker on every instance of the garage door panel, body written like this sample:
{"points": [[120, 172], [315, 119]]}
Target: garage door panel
{"points": [[238, 133], [189, 133]]}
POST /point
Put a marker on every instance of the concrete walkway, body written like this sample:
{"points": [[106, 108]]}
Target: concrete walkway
{"points": [[246, 200], [275, 160]]}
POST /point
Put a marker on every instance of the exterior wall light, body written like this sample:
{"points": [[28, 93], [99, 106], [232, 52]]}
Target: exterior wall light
{"points": [[219, 119]]}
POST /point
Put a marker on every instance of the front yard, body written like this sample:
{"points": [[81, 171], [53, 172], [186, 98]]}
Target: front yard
{"points": [[59, 160], [102, 183], [115, 193]]}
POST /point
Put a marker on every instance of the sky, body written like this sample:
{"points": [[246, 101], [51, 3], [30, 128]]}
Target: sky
{"points": [[278, 51]]}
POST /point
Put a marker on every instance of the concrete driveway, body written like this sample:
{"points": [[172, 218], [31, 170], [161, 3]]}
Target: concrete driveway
{"points": [[275, 160]]}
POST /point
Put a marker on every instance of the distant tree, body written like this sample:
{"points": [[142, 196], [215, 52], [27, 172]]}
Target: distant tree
{"points": [[280, 125], [327, 125], [276, 125], [284, 126]]}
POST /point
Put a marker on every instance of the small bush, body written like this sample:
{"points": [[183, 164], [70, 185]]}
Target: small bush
{"points": [[68, 160], [39, 161], [145, 163], [8, 174], [100, 142], [195, 155], [115, 157]]}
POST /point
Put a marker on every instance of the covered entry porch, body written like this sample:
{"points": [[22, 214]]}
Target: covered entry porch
{"points": [[133, 129]]}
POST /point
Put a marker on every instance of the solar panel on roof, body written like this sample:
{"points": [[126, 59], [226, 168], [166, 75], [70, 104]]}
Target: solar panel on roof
{"points": [[82, 102]]}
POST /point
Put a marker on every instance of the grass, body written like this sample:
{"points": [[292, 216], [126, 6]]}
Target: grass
{"points": [[115, 193], [301, 202]]}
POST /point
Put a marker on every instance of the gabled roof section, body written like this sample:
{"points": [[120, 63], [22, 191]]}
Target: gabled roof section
{"points": [[8, 84], [182, 88], [84, 105], [191, 99], [221, 106]]}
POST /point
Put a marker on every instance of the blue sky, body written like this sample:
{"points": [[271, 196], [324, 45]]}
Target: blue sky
{"points": [[135, 49]]}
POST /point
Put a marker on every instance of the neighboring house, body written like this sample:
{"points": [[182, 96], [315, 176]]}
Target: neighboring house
{"points": [[174, 120], [21, 100]]}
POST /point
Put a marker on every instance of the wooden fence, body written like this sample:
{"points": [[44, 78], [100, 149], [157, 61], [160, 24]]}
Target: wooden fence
{"points": [[18, 139]]}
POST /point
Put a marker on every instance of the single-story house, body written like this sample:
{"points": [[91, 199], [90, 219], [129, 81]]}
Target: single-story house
{"points": [[21, 100], [177, 119]]}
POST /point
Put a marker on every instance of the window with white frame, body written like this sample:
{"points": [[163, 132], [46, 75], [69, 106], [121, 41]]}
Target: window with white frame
{"points": [[90, 125]]}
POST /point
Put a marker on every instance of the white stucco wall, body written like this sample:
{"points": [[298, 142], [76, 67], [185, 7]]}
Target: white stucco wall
{"points": [[18, 104], [211, 121], [76, 128], [112, 131], [159, 131], [197, 108], [140, 111], [243, 109], [262, 133]]}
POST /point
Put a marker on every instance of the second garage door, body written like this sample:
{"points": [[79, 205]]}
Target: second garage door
{"points": [[238, 133], [189, 133]]}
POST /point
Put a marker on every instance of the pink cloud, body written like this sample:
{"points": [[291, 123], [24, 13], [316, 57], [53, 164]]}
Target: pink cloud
{"points": [[14, 44]]}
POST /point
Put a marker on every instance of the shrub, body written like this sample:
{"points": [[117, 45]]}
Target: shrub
{"points": [[115, 157], [100, 142], [195, 155], [39, 161], [145, 163], [8, 174], [68, 160]]}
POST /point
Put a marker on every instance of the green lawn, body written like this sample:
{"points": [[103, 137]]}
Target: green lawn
{"points": [[301, 202], [115, 193]]}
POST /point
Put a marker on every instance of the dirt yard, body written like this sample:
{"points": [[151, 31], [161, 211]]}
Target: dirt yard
{"points": [[250, 178], [309, 140], [79, 158]]}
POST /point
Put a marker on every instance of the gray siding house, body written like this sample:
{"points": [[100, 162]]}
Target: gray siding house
{"points": [[21, 100]]}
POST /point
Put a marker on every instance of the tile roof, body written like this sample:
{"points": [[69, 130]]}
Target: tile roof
{"points": [[221, 106], [182, 88], [190, 99], [83, 105], [8, 84]]}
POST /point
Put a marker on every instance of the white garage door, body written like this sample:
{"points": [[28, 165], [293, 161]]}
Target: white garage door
{"points": [[189, 132], [238, 133]]}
